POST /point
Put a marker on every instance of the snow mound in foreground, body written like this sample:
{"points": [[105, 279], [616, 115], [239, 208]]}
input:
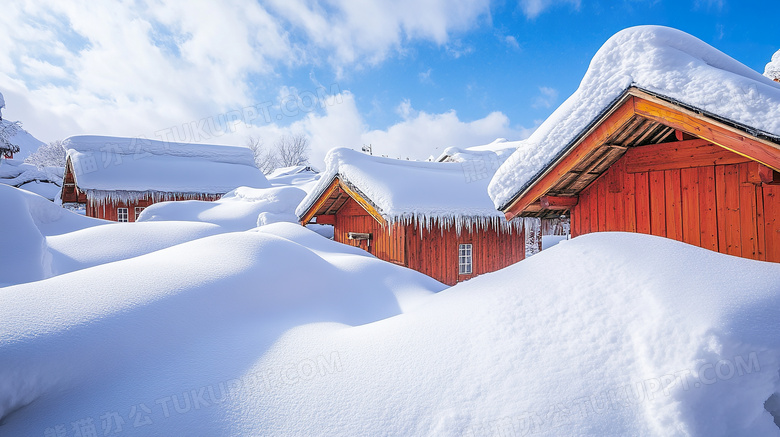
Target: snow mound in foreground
{"points": [[27, 220], [200, 312], [266, 333], [241, 209]]}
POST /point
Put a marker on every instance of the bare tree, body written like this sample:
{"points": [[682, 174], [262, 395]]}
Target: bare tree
{"points": [[7, 130], [292, 150], [265, 160], [49, 155]]}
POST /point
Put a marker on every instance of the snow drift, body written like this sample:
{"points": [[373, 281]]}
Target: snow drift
{"points": [[658, 59], [199, 312], [239, 210], [286, 333]]}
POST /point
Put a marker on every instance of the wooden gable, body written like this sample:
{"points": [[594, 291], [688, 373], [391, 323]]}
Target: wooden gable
{"points": [[641, 125]]}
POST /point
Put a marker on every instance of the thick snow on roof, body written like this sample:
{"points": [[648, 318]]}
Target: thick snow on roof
{"points": [[772, 69], [442, 192], [281, 332], [500, 147], [131, 165], [658, 59], [302, 176]]}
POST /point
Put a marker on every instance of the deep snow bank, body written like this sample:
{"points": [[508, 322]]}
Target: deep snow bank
{"points": [[27, 219], [45, 240], [241, 209], [117, 334], [606, 334]]}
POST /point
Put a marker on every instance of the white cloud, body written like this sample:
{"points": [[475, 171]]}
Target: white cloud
{"points": [[125, 68], [532, 8], [511, 41], [546, 98], [417, 136], [425, 76]]}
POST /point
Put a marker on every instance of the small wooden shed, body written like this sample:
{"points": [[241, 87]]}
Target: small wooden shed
{"points": [[654, 165], [116, 178], [427, 216]]}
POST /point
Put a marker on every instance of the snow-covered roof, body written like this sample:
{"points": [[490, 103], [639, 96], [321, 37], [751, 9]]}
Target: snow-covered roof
{"points": [[772, 69], [660, 60], [500, 148], [105, 165], [443, 193]]}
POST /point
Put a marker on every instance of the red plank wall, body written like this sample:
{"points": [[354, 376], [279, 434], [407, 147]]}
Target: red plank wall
{"points": [[107, 210], [436, 253], [716, 207]]}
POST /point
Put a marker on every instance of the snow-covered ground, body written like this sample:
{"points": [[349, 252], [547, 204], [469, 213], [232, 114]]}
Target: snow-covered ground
{"points": [[278, 331], [46, 181], [239, 210]]}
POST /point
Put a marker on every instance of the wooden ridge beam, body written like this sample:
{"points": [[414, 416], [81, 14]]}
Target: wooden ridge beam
{"points": [[558, 202], [678, 155], [589, 143], [718, 133]]}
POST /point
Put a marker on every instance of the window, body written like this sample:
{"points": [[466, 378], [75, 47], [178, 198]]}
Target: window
{"points": [[138, 210], [121, 214], [464, 259]]}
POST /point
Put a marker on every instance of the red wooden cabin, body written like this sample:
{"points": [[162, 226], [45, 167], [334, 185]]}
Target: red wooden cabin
{"points": [[426, 216], [652, 165], [116, 178]]}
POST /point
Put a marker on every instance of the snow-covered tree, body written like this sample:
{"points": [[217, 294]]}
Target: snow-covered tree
{"points": [[48, 155], [772, 69], [7, 131]]}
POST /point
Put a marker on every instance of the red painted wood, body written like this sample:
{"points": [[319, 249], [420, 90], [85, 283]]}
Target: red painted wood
{"points": [[673, 197], [747, 214], [708, 209], [722, 207], [689, 181], [771, 198], [433, 252], [657, 203], [642, 202]]}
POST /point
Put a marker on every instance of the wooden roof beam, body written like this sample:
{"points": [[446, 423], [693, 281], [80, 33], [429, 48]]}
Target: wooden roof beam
{"points": [[566, 163], [718, 133], [559, 202]]}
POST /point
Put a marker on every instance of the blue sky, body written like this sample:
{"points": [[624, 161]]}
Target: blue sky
{"points": [[409, 77]]}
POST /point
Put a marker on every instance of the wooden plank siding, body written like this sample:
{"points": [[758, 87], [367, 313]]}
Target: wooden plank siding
{"points": [[434, 251], [719, 207], [108, 210]]}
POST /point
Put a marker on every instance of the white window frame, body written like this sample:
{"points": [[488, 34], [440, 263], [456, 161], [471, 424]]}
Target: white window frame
{"points": [[122, 215], [138, 211], [465, 259]]}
